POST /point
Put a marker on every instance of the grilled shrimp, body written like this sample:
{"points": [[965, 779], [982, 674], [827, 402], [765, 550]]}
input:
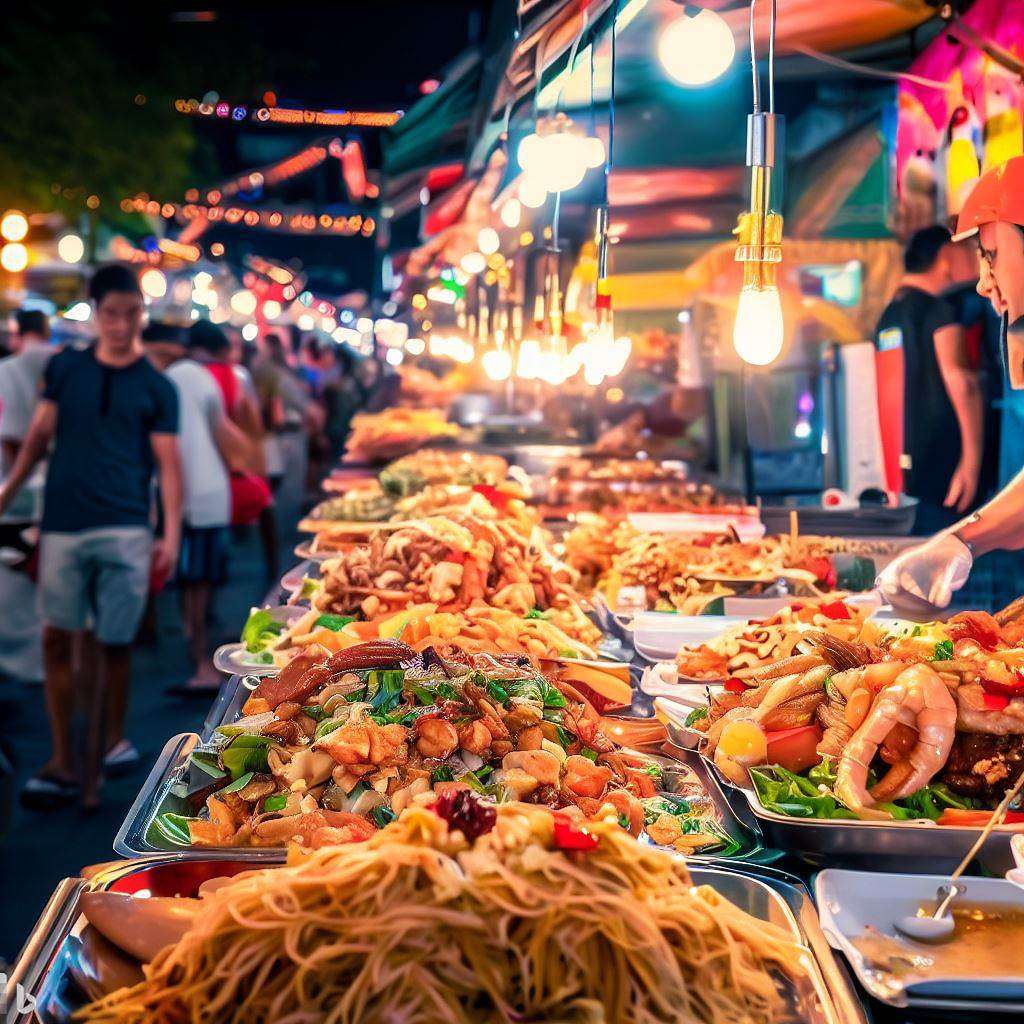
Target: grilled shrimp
{"points": [[873, 677], [919, 699]]}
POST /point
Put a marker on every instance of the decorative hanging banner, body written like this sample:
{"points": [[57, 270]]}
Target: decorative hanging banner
{"points": [[289, 115], [284, 220]]}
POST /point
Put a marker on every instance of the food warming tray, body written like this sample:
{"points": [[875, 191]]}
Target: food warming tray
{"points": [[53, 967], [921, 846], [163, 792]]}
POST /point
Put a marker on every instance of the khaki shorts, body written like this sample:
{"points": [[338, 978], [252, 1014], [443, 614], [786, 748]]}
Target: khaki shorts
{"points": [[96, 580]]}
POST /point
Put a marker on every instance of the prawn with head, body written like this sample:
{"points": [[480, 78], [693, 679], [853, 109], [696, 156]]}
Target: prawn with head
{"points": [[915, 716]]}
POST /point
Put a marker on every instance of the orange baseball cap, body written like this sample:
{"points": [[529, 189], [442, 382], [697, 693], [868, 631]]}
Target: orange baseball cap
{"points": [[998, 195]]}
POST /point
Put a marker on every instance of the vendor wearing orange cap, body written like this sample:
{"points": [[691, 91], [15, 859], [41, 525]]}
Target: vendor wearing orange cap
{"points": [[925, 577]]}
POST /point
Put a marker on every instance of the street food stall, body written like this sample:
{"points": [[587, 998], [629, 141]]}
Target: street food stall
{"points": [[563, 713]]}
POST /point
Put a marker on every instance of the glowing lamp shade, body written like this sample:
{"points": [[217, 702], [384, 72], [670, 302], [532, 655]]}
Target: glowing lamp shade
{"points": [[695, 51], [153, 283], [70, 248], [757, 334], [14, 226]]}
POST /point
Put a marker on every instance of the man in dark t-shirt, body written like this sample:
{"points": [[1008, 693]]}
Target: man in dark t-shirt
{"points": [[113, 419], [940, 448]]}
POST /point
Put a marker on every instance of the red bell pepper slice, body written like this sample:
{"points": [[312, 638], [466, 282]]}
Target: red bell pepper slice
{"points": [[1001, 689], [571, 836], [836, 611], [499, 499], [995, 702]]}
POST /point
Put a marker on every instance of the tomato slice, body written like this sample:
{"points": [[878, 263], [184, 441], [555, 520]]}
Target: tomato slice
{"points": [[794, 749], [976, 819], [837, 611], [734, 685]]}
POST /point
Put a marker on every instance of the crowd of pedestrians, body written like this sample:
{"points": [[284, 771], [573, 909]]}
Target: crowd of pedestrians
{"points": [[127, 464]]}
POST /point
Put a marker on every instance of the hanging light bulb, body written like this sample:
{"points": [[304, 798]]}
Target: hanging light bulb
{"points": [[532, 194], [696, 49], [529, 361], [556, 157], [511, 213], [473, 263], [488, 241], [497, 364], [758, 332]]}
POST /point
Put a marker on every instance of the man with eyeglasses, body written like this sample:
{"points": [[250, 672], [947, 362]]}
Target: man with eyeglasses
{"points": [[925, 577]]}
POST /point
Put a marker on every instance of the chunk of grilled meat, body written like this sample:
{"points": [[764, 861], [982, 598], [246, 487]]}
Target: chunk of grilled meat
{"points": [[983, 766]]}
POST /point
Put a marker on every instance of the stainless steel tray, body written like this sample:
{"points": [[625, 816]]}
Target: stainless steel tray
{"points": [[50, 967], [161, 793], [227, 707], [920, 846]]}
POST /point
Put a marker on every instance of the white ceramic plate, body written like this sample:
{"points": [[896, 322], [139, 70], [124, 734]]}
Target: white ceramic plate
{"points": [[662, 680], [658, 636], [850, 901], [748, 527]]}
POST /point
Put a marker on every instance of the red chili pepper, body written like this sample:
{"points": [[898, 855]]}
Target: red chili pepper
{"points": [[571, 836], [1001, 689], [499, 499], [994, 702], [735, 686], [836, 610]]}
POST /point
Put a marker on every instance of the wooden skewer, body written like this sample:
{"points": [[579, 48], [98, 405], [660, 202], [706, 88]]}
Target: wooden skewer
{"points": [[996, 819]]}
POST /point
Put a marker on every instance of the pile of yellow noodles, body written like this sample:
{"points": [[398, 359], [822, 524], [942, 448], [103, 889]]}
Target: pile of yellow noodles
{"points": [[418, 926]]}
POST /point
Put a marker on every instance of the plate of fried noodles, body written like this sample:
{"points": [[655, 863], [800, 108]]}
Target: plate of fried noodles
{"points": [[462, 912]]}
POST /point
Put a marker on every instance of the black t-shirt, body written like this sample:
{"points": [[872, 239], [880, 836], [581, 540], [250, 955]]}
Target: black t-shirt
{"points": [[981, 329], [102, 463], [931, 434]]}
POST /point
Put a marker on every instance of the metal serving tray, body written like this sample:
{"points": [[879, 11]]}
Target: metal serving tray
{"points": [[921, 846], [161, 793], [54, 970]]}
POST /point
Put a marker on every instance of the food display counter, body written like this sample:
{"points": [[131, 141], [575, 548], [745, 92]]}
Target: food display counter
{"points": [[438, 684]]}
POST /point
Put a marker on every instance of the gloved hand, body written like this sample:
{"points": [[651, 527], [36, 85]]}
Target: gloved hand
{"points": [[924, 577]]}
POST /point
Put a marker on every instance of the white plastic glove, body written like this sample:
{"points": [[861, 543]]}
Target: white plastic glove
{"points": [[925, 576]]}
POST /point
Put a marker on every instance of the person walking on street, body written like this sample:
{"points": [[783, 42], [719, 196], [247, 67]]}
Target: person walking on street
{"points": [[211, 446], [113, 420]]}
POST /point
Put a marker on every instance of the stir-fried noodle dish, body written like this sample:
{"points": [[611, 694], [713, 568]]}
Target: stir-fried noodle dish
{"points": [[461, 912]]}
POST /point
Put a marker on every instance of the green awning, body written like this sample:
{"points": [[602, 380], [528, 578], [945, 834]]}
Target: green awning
{"points": [[436, 128]]}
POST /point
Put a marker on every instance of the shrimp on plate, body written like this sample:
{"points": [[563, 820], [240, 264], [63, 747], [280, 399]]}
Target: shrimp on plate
{"points": [[913, 719]]}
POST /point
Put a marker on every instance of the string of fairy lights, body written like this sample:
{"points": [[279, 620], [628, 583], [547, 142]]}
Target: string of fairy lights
{"points": [[281, 219]]}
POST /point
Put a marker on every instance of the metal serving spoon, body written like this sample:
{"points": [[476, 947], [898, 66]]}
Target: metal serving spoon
{"points": [[940, 924]]}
